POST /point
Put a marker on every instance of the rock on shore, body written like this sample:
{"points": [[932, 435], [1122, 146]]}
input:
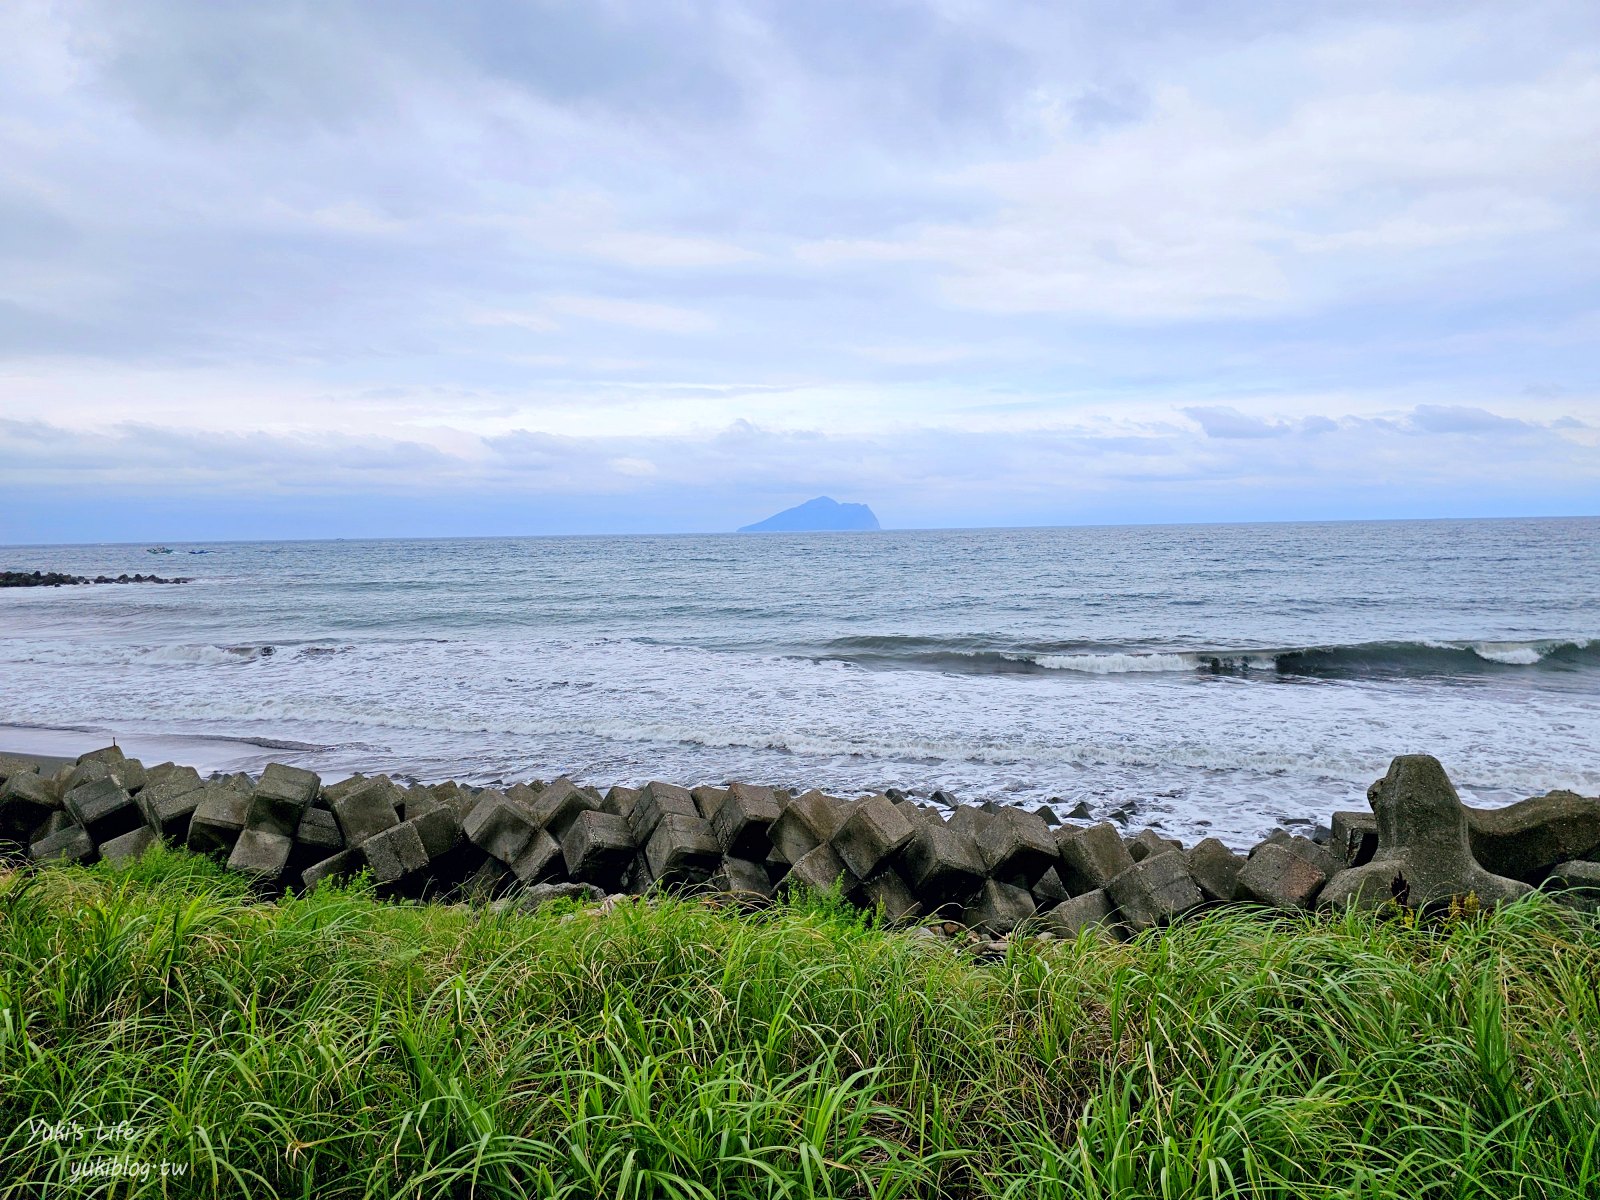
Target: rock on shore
{"points": [[993, 870], [13, 579]]}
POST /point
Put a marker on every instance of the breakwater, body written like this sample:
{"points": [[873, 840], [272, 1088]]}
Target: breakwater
{"points": [[993, 868], [21, 579]]}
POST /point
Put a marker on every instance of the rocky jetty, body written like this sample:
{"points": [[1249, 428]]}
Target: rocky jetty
{"points": [[16, 579], [990, 871]]}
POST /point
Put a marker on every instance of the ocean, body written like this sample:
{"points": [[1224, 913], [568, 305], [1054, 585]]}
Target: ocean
{"points": [[1203, 679]]}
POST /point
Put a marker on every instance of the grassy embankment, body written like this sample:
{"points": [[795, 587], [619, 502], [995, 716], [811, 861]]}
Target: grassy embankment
{"points": [[340, 1046]]}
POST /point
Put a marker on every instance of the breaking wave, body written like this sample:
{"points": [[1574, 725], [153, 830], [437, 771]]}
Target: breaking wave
{"points": [[1422, 659]]}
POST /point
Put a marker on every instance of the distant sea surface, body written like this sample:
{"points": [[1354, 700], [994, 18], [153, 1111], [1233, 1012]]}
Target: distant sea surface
{"points": [[1203, 679]]}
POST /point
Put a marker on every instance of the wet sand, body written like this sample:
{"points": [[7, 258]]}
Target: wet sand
{"points": [[206, 755]]}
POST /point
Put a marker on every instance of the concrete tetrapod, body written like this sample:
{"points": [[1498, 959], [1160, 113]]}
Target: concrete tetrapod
{"points": [[1424, 858]]}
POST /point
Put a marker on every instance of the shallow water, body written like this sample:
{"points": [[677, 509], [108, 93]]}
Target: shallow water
{"points": [[1218, 679]]}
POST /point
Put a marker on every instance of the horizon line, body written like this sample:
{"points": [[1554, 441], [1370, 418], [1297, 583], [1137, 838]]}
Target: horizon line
{"points": [[738, 533]]}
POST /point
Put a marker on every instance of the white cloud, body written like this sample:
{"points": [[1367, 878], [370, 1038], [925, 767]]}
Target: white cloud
{"points": [[666, 250], [636, 314], [638, 468], [1208, 209], [1224, 422], [534, 322], [966, 250], [1038, 462]]}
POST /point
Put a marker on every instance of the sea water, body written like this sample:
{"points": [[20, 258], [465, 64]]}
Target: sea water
{"points": [[1198, 679]]}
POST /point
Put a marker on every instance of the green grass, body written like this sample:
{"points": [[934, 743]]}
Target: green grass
{"points": [[336, 1045]]}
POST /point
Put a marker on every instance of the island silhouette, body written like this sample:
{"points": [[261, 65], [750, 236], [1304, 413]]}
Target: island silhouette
{"points": [[821, 514]]}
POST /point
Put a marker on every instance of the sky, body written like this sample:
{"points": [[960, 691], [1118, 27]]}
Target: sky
{"points": [[319, 269]]}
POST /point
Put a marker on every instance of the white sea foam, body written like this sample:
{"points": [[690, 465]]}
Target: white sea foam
{"points": [[1510, 655], [67, 654], [1118, 664]]}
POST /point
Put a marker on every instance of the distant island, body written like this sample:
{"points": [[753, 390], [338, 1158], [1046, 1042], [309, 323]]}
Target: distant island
{"points": [[823, 513]]}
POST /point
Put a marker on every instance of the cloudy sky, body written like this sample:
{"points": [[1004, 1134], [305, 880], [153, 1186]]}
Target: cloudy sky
{"points": [[333, 269]]}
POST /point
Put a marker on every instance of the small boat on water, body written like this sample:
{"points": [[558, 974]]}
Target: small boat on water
{"points": [[158, 549]]}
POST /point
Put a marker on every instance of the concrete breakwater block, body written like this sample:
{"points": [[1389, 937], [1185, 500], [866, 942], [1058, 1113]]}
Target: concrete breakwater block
{"points": [[335, 866], [888, 893], [69, 844], [1092, 910], [1355, 837], [1214, 869], [942, 866], [54, 823], [425, 854], [1092, 857], [170, 804], [539, 861], [319, 831], [127, 773], [1147, 842], [129, 845], [534, 898], [1319, 856], [741, 877], [968, 821], [499, 827], [1281, 878], [85, 771], [777, 865], [741, 818], [365, 810], [1527, 839], [1050, 890], [821, 869], [1424, 856], [332, 791], [26, 802], [873, 830], [281, 797], [12, 765], [998, 908], [804, 823], [395, 853], [523, 795], [658, 800], [560, 803], [620, 801], [709, 799], [440, 831], [1576, 884], [488, 880], [598, 846], [1017, 847], [103, 808], [261, 854], [219, 817], [1155, 891], [682, 849], [416, 800]]}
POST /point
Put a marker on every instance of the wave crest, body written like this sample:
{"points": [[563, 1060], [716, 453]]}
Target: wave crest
{"points": [[1362, 659]]}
